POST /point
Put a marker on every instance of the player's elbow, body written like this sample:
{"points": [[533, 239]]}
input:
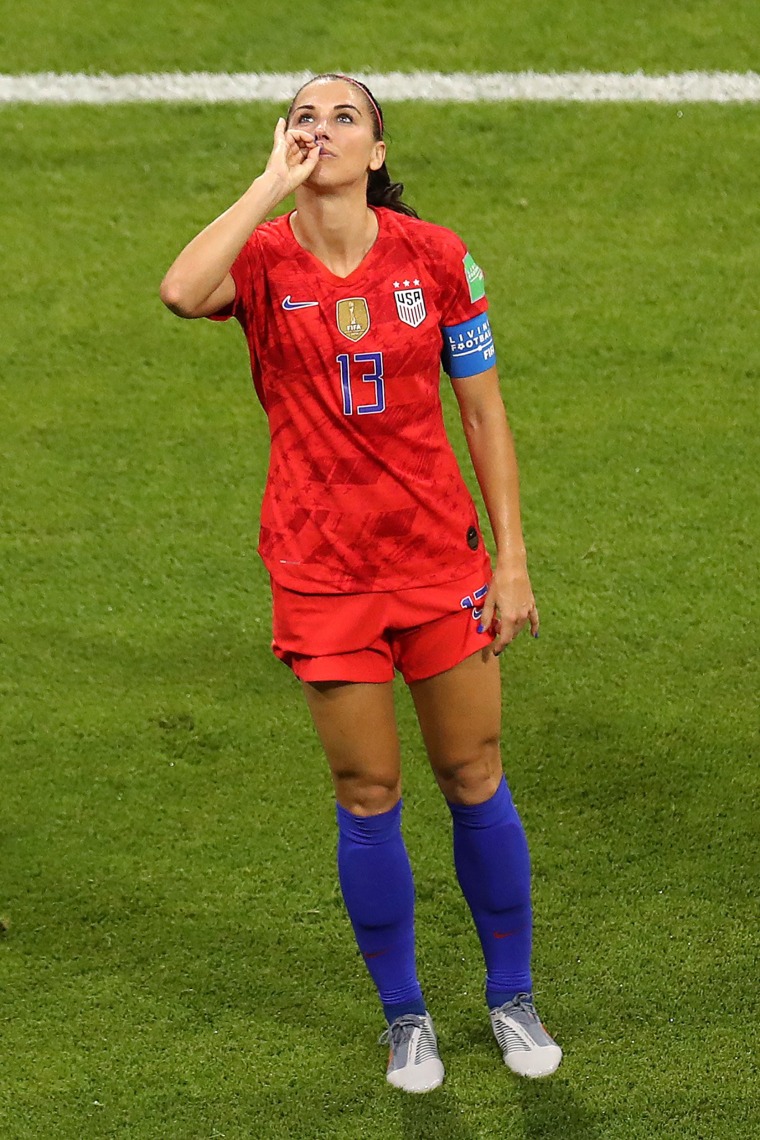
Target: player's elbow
{"points": [[175, 296]]}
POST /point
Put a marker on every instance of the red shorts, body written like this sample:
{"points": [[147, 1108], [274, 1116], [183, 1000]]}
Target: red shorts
{"points": [[365, 637]]}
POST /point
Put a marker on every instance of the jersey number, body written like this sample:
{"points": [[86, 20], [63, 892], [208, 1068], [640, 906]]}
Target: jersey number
{"points": [[372, 376]]}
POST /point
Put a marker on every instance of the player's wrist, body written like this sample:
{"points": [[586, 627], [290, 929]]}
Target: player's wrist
{"points": [[270, 188], [512, 559]]}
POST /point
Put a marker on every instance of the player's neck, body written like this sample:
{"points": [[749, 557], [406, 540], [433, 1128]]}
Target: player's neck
{"points": [[337, 231]]}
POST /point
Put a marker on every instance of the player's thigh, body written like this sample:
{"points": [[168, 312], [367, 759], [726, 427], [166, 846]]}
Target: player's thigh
{"points": [[459, 712], [356, 724]]}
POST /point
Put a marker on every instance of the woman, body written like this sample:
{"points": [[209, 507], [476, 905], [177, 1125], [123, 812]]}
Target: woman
{"points": [[349, 305]]}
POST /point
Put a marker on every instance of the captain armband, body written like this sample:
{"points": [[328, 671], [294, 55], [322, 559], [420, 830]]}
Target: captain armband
{"points": [[468, 348]]}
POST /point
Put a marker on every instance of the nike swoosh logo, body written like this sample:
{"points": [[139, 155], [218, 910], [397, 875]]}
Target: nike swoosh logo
{"points": [[504, 933], [288, 304]]}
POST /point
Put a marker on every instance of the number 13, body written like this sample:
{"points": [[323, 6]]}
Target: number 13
{"points": [[375, 376]]}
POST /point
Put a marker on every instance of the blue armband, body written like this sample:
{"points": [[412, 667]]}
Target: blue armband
{"points": [[468, 348]]}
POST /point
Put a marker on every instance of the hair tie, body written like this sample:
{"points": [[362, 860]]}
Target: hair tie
{"points": [[365, 89]]}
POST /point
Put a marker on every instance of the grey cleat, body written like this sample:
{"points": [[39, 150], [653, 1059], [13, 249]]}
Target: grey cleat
{"points": [[413, 1061], [527, 1048]]}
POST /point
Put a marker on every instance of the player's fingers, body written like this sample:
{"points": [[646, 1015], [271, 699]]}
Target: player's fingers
{"points": [[508, 631], [311, 157], [302, 164], [534, 621], [487, 614], [302, 148], [301, 136], [302, 140], [502, 639]]}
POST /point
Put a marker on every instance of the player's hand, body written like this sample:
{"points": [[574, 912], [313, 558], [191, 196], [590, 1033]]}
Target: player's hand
{"points": [[294, 156], [509, 606]]}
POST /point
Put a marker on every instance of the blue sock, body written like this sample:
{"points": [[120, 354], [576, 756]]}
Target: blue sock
{"points": [[493, 868], [378, 890]]}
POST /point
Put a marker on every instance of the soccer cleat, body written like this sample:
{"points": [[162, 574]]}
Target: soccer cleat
{"points": [[527, 1048], [413, 1061]]}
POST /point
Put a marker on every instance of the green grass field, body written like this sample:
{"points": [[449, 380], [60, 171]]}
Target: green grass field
{"points": [[177, 963], [486, 35]]}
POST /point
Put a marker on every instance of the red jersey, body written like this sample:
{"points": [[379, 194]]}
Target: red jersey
{"points": [[363, 492]]}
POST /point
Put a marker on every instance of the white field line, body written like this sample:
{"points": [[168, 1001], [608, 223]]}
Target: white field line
{"points": [[427, 86]]}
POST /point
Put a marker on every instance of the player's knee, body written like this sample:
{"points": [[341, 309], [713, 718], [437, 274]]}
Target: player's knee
{"points": [[471, 777], [363, 796]]}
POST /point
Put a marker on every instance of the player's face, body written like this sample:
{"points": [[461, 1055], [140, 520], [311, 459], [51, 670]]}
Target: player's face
{"points": [[339, 116]]}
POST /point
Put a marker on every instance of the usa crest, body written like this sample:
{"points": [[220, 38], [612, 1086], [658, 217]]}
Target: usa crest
{"points": [[410, 305], [352, 316]]}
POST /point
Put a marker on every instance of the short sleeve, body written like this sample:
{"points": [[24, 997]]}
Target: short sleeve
{"points": [[468, 347]]}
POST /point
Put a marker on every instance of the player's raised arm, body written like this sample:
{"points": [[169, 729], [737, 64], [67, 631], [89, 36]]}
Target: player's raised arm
{"points": [[199, 282]]}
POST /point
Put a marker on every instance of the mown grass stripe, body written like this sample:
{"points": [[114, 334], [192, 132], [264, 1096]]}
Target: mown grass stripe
{"points": [[427, 86]]}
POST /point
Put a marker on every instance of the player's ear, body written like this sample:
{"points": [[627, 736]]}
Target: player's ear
{"points": [[378, 156]]}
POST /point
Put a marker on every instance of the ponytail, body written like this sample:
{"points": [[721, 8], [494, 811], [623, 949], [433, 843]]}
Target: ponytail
{"points": [[382, 192]]}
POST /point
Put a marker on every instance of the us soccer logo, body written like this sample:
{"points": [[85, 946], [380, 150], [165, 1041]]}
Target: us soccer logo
{"points": [[410, 305]]}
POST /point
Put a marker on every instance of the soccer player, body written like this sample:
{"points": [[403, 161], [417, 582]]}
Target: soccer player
{"points": [[350, 304]]}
